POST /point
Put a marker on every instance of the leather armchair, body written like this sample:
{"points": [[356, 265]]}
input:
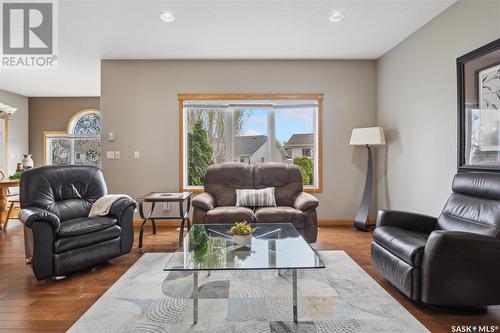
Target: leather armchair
{"points": [[406, 220], [450, 261], [217, 204], [461, 268], [60, 237]]}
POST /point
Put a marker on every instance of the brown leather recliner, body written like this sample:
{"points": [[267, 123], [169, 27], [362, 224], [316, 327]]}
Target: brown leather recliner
{"points": [[217, 204], [451, 261]]}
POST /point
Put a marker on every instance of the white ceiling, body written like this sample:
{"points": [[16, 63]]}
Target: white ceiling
{"points": [[94, 30]]}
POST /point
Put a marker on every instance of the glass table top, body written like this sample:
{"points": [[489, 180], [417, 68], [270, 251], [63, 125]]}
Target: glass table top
{"points": [[272, 246]]}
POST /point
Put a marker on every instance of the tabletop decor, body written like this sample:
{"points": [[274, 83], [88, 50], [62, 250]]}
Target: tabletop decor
{"points": [[479, 109], [27, 162], [242, 233], [16, 175]]}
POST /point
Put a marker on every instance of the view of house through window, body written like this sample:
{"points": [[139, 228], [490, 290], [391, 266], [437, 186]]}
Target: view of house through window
{"points": [[80, 145], [250, 131]]}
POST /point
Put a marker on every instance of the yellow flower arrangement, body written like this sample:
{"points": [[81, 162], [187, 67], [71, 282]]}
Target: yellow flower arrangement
{"points": [[241, 228]]}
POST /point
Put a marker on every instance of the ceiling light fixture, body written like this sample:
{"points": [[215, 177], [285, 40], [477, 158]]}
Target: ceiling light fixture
{"points": [[337, 16], [6, 111], [167, 17]]}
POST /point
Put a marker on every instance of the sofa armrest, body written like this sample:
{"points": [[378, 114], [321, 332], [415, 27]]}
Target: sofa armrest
{"points": [[123, 210], [461, 268], [406, 220], [462, 245], [305, 201], [119, 206], [205, 201], [30, 215]]}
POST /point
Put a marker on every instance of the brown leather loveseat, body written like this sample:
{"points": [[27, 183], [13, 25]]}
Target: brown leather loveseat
{"points": [[217, 204]]}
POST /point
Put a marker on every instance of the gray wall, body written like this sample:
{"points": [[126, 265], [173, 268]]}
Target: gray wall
{"points": [[18, 128], [416, 83], [53, 114], [139, 103]]}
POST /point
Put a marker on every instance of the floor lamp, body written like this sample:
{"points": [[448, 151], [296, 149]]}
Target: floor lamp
{"points": [[368, 137]]}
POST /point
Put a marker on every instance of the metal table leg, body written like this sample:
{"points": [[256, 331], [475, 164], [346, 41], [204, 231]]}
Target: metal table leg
{"points": [[183, 217], [143, 225], [154, 226], [195, 297], [294, 287], [187, 213]]}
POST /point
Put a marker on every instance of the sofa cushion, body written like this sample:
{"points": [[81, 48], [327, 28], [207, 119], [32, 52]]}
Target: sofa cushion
{"points": [[222, 180], [285, 178], [85, 225], [230, 214], [69, 243], [280, 214], [406, 244], [470, 214]]}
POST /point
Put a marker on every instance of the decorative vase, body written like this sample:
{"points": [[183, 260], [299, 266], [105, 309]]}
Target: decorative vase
{"points": [[242, 239], [27, 162]]}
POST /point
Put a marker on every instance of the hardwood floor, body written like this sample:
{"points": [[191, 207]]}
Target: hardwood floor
{"points": [[28, 305]]}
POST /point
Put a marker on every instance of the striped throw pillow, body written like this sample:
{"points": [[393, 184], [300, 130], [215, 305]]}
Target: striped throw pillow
{"points": [[256, 198]]}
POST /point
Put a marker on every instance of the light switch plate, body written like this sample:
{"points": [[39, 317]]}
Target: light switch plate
{"points": [[110, 155], [117, 154], [111, 136], [137, 154]]}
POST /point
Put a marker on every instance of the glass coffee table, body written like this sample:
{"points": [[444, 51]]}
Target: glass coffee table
{"points": [[276, 246]]}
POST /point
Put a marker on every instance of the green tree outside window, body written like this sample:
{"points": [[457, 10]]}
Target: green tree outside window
{"points": [[306, 166], [200, 154]]}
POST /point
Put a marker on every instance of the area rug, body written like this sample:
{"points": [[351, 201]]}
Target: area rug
{"points": [[341, 298]]}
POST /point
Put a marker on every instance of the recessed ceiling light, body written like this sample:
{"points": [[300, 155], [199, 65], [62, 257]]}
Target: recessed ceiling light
{"points": [[167, 17], [337, 16]]}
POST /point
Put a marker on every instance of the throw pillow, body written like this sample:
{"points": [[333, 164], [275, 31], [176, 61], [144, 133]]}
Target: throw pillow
{"points": [[256, 198]]}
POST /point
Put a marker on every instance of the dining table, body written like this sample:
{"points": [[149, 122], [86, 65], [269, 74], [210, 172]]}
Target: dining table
{"points": [[5, 185]]}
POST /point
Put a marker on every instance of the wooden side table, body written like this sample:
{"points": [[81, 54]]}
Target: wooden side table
{"points": [[183, 198]]}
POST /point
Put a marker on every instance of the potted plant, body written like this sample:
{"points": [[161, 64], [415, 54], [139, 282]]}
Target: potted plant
{"points": [[242, 233]]}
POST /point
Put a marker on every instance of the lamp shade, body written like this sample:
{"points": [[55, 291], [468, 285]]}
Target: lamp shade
{"points": [[372, 136]]}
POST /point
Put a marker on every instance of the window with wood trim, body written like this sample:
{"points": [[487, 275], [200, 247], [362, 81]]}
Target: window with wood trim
{"points": [[249, 129], [80, 144]]}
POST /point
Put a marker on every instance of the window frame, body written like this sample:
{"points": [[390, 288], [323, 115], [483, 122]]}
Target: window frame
{"points": [[5, 142], [69, 131], [317, 188]]}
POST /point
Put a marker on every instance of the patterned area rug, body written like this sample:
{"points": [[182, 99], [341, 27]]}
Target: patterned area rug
{"points": [[341, 298]]}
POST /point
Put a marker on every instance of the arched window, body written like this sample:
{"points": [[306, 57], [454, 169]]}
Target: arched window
{"points": [[80, 144], [86, 123]]}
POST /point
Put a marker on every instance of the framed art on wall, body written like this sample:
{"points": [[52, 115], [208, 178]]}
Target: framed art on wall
{"points": [[478, 78]]}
